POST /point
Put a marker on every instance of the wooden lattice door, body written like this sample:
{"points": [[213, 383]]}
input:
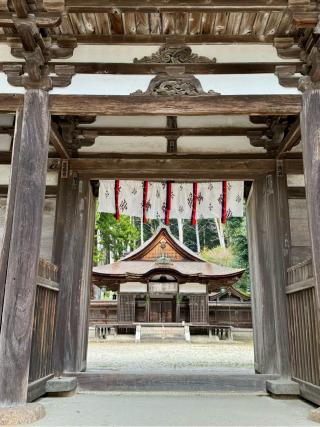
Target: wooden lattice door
{"points": [[198, 305], [126, 308]]}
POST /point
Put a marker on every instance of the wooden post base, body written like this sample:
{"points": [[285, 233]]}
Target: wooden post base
{"points": [[25, 414]]}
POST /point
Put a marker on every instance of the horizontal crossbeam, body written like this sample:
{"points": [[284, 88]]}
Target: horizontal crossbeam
{"points": [[115, 105], [223, 68], [177, 168]]}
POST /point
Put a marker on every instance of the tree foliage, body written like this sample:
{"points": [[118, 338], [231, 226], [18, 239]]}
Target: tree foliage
{"points": [[115, 236], [236, 235]]}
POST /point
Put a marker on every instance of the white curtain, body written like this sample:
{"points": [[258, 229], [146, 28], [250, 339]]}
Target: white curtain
{"points": [[209, 199]]}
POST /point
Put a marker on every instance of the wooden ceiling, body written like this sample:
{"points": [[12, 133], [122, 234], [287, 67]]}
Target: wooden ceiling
{"points": [[260, 25], [197, 21]]}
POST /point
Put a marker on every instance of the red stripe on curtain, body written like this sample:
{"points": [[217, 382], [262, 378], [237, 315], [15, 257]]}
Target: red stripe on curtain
{"points": [[194, 204], [145, 199], [116, 197], [224, 202], [168, 202]]}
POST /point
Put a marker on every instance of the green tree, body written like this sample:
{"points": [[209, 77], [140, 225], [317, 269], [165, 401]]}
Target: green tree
{"points": [[115, 236], [236, 236]]}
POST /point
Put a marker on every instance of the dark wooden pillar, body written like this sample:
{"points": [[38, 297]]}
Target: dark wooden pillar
{"points": [[178, 307], [268, 233], [30, 169], [10, 206], [310, 133], [72, 252]]}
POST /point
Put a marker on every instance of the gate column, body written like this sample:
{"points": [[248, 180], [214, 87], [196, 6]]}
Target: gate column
{"points": [[24, 220], [72, 252], [269, 244], [310, 134]]}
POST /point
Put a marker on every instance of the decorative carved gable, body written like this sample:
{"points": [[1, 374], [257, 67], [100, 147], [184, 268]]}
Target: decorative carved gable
{"points": [[174, 55]]}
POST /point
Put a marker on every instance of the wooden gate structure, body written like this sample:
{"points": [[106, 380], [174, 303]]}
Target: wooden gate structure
{"points": [[58, 145]]}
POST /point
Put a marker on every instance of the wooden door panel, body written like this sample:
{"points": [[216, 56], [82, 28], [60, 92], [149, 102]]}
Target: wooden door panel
{"points": [[155, 311]]}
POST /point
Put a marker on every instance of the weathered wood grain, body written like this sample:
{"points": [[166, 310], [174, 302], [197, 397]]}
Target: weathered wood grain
{"points": [[277, 262], [10, 207], [310, 132], [190, 68], [262, 307], [15, 337], [178, 168], [202, 5], [72, 253], [269, 243], [84, 105]]}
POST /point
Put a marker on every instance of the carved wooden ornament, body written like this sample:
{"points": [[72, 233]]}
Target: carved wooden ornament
{"points": [[164, 85], [174, 55]]}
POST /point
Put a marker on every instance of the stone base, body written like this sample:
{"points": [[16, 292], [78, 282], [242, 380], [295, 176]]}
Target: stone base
{"points": [[315, 415], [26, 414], [61, 384], [282, 387]]}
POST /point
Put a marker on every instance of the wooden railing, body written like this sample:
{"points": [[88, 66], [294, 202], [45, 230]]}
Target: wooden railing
{"points": [[303, 326], [44, 323]]}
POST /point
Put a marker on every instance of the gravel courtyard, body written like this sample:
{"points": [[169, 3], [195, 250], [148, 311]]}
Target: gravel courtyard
{"points": [[157, 356]]}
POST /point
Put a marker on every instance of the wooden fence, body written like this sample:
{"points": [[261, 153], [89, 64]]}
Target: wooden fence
{"points": [[41, 366], [304, 331]]}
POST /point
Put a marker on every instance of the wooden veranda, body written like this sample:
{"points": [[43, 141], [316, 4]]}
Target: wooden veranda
{"points": [[56, 146]]}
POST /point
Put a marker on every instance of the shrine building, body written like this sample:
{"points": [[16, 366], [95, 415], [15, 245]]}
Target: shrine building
{"points": [[163, 282]]}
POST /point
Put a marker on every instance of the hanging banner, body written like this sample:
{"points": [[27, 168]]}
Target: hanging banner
{"points": [[149, 200]]}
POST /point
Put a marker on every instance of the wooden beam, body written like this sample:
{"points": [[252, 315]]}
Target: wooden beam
{"points": [[117, 105], [159, 39], [188, 105], [177, 168], [51, 190], [132, 68], [201, 131], [290, 140], [296, 192], [99, 6], [42, 20], [6, 130], [57, 141]]}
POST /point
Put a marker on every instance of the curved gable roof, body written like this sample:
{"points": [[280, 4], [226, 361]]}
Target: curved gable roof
{"points": [[163, 232]]}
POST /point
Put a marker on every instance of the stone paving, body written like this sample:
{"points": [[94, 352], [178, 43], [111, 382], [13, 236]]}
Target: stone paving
{"points": [[167, 355], [173, 409]]}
